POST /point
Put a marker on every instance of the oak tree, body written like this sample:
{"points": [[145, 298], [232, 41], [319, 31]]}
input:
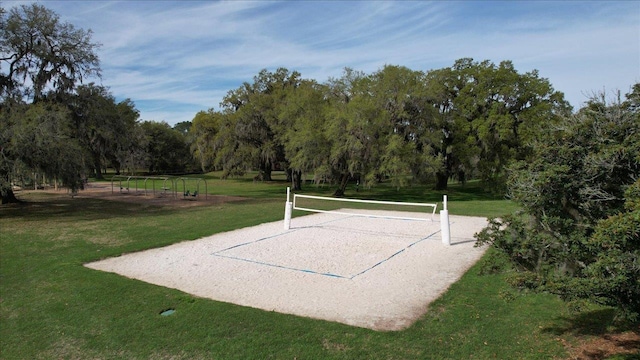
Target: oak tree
{"points": [[38, 52], [41, 60]]}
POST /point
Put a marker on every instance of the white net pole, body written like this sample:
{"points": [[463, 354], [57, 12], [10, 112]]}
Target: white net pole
{"points": [[287, 211], [444, 223]]}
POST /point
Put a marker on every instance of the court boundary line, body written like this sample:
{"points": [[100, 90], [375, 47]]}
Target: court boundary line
{"points": [[309, 271]]}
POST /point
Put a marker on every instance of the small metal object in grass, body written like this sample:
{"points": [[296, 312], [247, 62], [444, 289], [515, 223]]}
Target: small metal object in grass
{"points": [[167, 312]]}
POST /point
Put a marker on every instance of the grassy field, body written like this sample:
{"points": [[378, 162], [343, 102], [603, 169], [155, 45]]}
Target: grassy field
{"points": [[51, 307]]}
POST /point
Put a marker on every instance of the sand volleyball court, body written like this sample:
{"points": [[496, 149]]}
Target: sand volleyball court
{"points": [[367, 272]]}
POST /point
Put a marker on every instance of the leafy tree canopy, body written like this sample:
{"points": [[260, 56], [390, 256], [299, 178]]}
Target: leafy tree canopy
{"points": [[465, 121], [39, 52], [166, 148], [42, 60]]}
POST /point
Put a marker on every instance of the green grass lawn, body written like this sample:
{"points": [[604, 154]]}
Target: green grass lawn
{"points": [[51, 307]]}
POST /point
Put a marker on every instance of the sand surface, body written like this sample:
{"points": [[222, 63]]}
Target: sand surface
{"points": [[368, 272]]}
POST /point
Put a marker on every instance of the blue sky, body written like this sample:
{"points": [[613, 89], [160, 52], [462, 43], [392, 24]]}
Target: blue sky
{"points": [[174, 59]]}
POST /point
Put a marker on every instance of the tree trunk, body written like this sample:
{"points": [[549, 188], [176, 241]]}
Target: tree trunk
{"points": [[266, 174], [265, 171], [8, 197], [441, 180], [296, 180], [289, 173], [343, 186], [98, 168]]}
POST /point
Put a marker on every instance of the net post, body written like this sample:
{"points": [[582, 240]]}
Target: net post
{"points": [[444, 223], [287, 211]]}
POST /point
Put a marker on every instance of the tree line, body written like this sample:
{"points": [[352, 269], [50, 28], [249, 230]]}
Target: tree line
{"points": [[465, 121]]}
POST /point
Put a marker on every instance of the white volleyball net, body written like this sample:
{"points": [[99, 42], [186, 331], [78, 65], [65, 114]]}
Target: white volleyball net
{"points": [[365, 208]]}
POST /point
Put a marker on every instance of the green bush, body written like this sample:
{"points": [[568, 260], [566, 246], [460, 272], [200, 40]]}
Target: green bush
{"points": [[578, 234]]}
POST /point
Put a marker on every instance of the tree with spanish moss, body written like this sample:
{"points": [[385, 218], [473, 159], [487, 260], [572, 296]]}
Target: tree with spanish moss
{"points": [[485, 115], [43, 56], [42, 59]]}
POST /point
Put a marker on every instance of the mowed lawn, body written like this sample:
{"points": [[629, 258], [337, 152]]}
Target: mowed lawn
{"points": [[51, 307]]}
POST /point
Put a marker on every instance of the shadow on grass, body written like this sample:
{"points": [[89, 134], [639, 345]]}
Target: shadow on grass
{"points": [[85, 209], [586, 323], [602, 337], [62, 208], [593, 323], [47, 206]]}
